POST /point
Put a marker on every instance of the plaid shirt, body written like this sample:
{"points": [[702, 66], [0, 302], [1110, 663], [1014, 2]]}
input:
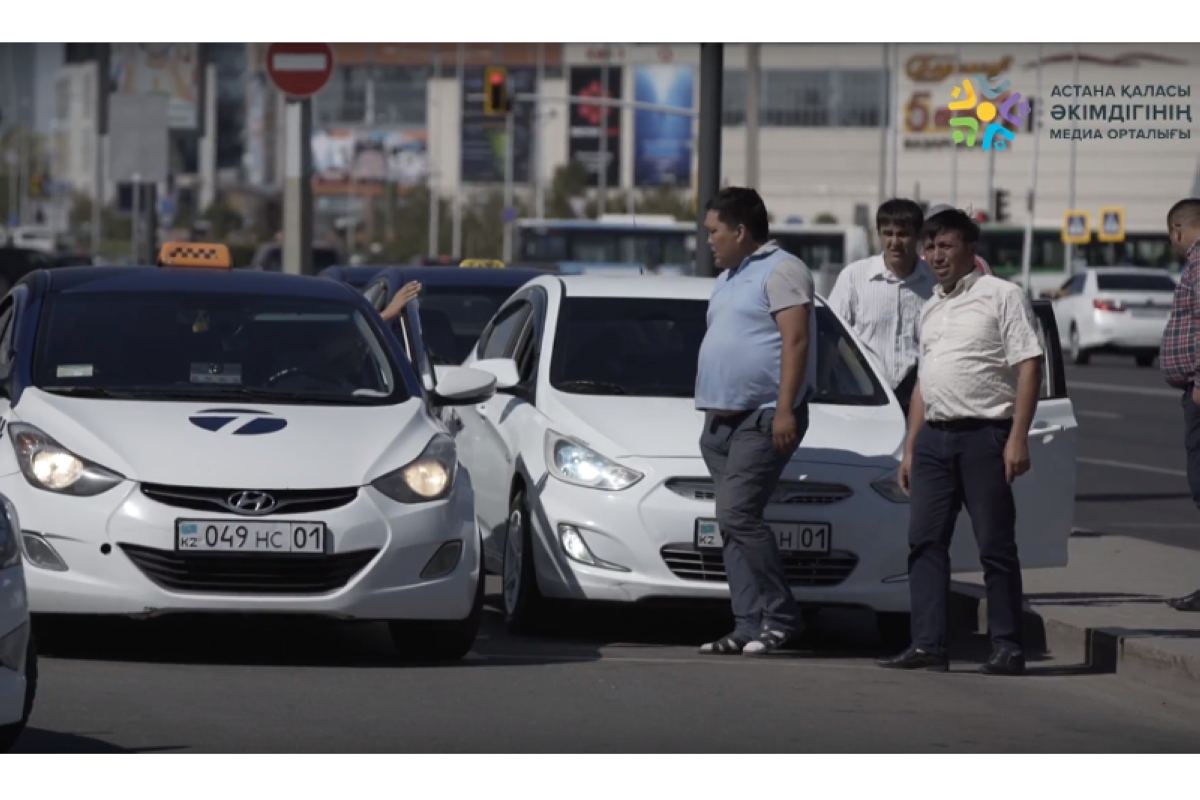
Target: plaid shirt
{"points": [[1177, 356]]}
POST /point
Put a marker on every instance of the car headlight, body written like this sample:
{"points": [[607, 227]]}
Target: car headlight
{"points": [[574, 462], [428, 477], [888, 488], [48, 465], [10, 535]]}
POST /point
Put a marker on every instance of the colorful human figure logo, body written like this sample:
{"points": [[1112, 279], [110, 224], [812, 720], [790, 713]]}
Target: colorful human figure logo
{"points": [[1012, 110]]}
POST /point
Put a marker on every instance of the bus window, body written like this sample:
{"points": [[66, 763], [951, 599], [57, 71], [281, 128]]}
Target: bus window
{"points": [[542, 247], [815, 250]]}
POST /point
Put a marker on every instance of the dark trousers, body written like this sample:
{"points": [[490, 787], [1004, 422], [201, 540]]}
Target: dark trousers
{"points": [[1191, 441], [745, 467], [953, 465]]}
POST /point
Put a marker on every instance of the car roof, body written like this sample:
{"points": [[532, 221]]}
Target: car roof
{"points": [[1130, 270], [683, 287], [65, 280], [466, 276]]}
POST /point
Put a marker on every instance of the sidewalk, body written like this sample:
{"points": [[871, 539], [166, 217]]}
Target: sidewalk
{"points": [[1106, 609]]}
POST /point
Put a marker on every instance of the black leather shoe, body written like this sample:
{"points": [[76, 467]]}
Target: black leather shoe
{"points": [[1189, 603], [1004, 661], [916, 658]]}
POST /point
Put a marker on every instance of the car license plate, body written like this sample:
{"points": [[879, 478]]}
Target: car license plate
{"points": [[224, 536], [792, 537]]}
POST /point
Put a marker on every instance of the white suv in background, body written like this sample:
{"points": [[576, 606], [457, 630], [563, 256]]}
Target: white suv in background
{"points": [[18, 662], [1114, 310]]}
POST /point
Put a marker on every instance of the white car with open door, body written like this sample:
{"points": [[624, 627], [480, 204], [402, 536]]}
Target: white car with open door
{"points": [[589, 482], [1119, 310]]}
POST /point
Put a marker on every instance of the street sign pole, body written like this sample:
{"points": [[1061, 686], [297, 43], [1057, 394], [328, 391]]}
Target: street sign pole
{"points": [[298, 71], [297, 188], [712, 66], [509, 211], [136, 222]]}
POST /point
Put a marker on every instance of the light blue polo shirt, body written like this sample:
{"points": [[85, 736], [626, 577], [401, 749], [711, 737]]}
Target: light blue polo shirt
{"points": [[740, 356]]}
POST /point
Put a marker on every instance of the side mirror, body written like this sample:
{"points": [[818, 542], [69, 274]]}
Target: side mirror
{"points": [[504, 370], [463, 386]]}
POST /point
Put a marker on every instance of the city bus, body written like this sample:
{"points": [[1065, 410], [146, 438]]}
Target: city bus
{"points": [[662, 244], [1001, 246]]}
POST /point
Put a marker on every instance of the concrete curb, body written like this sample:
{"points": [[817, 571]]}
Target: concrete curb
{"points": [[1144, 656]]}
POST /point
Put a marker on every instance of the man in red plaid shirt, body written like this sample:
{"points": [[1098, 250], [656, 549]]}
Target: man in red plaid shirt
{"points": [[1179, 356]]}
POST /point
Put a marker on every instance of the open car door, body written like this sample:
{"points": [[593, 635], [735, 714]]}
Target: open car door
{"points": [[1045, 495]]}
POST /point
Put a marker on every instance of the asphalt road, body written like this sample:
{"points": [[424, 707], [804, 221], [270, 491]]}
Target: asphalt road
{"points": [[624, 682], [1130, 477]]}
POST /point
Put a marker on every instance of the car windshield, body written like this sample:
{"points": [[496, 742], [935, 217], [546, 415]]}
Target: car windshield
{"points": [[1132, 282], [192, 345], [453, 317], [648, 347]]}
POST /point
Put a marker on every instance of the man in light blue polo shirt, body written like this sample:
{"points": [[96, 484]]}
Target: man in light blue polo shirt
{"points": [[756, 372]]}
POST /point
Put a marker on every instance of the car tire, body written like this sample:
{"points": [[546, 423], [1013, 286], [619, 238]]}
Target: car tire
{"points": [[9, 734], [525, 609], [440, 640], [895, 629], [1079, 356], [1144, 360]]}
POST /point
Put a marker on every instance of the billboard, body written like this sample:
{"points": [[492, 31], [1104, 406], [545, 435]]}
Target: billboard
{"points": [[482, 136], [170, 70], [587, 122], [360, 155], [662, 143]]}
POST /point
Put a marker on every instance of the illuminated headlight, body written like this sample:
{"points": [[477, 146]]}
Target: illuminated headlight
{"points": [[428, 477], [572, 461], [48, 465], [888, 488], [10, 534]]}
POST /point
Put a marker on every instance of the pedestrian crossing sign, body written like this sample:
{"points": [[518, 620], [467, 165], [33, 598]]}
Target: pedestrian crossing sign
{"points": [[1077, 227], [1112, 224]]}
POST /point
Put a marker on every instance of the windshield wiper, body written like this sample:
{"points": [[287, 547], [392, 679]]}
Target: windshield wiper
{"points": [[86, 391], [592, 387]]}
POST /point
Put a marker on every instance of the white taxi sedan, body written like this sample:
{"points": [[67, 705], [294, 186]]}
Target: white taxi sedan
{"points": [[208, 440], [590, 484], [1119, 310]]}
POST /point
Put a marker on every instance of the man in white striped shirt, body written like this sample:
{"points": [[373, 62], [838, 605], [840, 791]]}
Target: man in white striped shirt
{"points": [[881, 297]]}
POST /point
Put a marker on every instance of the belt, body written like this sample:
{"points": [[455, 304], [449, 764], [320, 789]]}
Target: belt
{"points": [[967, 424]]}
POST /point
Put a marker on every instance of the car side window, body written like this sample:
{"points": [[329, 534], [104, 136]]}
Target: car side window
{"points": [[523, 354], [376, 295], [503, 331], [1077, 284], [1054, 377]]}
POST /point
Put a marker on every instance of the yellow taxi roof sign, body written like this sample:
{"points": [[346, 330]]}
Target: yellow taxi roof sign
{"points": [[195, 254], [482, 263]]}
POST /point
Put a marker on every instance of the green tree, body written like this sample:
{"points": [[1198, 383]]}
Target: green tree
{"points": [[825, 218], [569, 181]]}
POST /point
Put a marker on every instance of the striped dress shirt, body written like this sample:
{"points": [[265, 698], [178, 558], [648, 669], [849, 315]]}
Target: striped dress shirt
{"points": [[884, 311]]}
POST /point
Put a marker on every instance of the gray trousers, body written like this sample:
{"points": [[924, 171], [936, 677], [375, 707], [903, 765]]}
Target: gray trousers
{"points": [[745, 469]]}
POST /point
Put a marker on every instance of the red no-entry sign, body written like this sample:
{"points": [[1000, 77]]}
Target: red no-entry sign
{"points": [[300, 70]]}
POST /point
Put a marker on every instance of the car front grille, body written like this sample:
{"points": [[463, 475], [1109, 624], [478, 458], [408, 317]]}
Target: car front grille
{"points": [[786, 493], [291, 501], [803, 569], [238, 573]]}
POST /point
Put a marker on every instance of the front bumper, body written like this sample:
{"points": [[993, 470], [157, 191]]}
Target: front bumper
{"points": [[649, 530], [119, 549], [14, 639]]}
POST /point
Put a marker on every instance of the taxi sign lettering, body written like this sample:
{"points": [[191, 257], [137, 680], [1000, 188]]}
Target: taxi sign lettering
{"points": [[482, 263], [195, 254]]}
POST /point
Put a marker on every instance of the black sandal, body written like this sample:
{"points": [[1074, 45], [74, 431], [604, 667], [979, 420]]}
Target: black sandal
{"points": [[766, 643], [731, 645]]}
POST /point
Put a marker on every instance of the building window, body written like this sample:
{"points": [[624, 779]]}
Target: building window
{"points": [[850, 98], [344, 98], [400, 95]]}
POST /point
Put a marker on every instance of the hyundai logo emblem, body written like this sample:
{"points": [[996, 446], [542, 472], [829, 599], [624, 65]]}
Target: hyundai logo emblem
{"points": [[250, 422], [251, 502]]}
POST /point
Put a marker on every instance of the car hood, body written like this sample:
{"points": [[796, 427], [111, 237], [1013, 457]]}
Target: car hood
{"points": [[209, 444], [652, 427]]}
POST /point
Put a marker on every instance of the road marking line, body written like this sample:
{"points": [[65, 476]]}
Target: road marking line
{"points": [[1107, 462], [1153, 525], [1108, 387], [1098, 414]]}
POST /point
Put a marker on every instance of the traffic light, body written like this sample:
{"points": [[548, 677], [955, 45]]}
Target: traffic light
{"points": [[495, 91], [1000, 205]]}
